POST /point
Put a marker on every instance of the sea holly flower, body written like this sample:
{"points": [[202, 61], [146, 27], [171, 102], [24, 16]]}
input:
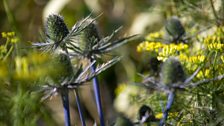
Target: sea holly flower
{"points": [[82, 41], [70, 79], [79, 77], [174, 30], [88, 43], [171, 77], [56, 29], [172, 72]]}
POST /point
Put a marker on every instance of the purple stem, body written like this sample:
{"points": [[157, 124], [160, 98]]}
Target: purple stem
{"points": [[168, 106], [97, 96], [65, 101], [79, 108]]}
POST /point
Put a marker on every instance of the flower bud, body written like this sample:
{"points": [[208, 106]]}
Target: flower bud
{"points": [[56, 28], [64, 68], [89, 36], [172, 72], [174, 30]]}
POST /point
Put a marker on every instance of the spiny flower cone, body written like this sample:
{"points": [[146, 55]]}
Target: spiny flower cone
{"points": [[56, 28], [64, 65], [89, 36], [172, 72], [174, 30]]}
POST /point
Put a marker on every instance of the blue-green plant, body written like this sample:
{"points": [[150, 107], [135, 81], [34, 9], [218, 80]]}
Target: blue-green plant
{"points": [[82, 41]]}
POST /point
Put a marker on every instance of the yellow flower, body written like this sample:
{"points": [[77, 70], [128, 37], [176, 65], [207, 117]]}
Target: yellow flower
{"points": [[14, 40], [222, 58], [22, 69], [149, 46], [154, 35], [216, 46], [11, 34], [3, 49], [192, 59], [8, 34], [159, 115], [4, 35], [171, 115], [203, 74]]}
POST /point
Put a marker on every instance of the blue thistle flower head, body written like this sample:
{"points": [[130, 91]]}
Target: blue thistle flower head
{"points": [[172, 72], [56, 29]]}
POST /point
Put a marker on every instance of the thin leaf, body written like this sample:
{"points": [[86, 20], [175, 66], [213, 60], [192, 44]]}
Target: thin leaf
{"points": [[117, 43]]}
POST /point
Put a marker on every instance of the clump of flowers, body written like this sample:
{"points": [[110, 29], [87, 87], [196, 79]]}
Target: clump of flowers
{"points": [[184, 66], [211, 45], [9, 44]]}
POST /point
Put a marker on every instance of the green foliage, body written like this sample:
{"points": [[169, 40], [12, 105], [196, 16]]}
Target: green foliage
{"points": [[19, 78]]}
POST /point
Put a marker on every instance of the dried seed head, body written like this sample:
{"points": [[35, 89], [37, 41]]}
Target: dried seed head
{"points": [[174, 30], [56, 28], [172, 72]]}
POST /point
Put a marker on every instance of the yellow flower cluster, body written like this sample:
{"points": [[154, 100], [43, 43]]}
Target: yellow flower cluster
{"points": [[171, 115], [214, 42], [3, 49], [219, 31], [212, 39], [160, 47], [28, 67], [170, 50], [203, 74], [21, 67], [7, 46], [163, 50], [192, 59], [154, 35], [216, 46], [10, 36], [149, 46]]}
